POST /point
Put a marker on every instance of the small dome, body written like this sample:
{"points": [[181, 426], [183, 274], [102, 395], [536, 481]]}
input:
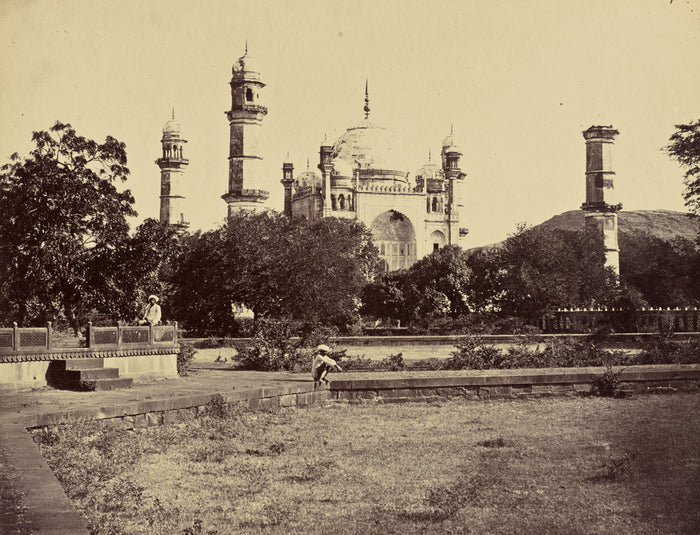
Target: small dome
{"points": [[448, 141], [308, 179], [430, 171], [342, 168], [245, 64], [172, 129]]}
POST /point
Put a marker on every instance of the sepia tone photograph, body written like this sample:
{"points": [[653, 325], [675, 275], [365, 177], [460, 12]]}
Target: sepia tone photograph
{"points": [[353, 267]]}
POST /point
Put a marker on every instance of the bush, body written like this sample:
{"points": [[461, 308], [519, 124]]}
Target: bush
{"points": [[473, 354], [663, 349], [184, 358], [272, 349], [394, 363]]}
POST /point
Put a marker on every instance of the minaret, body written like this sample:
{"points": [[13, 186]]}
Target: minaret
{"points": [[287, 182], [451, 155], [245, 121], [172, 166], [601, 216]]}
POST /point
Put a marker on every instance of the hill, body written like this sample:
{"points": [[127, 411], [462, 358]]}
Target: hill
{"points": [[664, 224]]}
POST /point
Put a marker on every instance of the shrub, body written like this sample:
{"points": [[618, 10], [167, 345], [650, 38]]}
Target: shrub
{"points": [[394, 363], [473, 354], [184, 358], [663, 349], [608, 385], [272, 349]]}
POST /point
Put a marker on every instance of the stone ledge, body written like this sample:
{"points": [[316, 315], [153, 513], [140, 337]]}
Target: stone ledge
{"points": [[519, 378]]}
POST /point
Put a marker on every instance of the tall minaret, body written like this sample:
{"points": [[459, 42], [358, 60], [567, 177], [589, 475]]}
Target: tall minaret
{"points": [[172, 166], [245, 120], [451, 155], [601, 216]]}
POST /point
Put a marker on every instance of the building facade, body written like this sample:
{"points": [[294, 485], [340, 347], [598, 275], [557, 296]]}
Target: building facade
{"points": [[360, 178]]}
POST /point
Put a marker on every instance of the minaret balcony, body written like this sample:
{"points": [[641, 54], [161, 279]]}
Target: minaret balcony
{"points": [[246, 195], [172, 161]]}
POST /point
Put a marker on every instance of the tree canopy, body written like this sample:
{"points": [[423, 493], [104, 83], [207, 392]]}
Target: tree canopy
{"points": [[61, 211], [311, 272], [684, 146]]}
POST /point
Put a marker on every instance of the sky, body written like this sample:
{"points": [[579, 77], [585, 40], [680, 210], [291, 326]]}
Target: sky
{"points": [[517, 80]]}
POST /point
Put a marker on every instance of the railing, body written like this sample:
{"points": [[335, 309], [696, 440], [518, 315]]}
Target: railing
{"points": [[640, 321], [39, 339], [131, 336]]}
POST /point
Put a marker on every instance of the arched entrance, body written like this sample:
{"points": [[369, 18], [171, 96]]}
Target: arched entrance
{"points": [[395, 237], [437, 239]]}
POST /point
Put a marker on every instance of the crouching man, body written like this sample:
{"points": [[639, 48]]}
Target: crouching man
{"points": [[322, 364]]}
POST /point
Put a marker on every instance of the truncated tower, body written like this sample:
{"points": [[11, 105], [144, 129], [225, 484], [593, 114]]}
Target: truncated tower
{"points": [[601, 216], [245, 154]]}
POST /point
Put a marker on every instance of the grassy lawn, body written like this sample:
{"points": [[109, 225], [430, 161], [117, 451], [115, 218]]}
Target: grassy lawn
{"points": [[570, 465]]}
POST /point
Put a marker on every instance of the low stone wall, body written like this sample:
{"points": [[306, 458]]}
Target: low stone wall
{"points": [[179, 409], [513, 384]]}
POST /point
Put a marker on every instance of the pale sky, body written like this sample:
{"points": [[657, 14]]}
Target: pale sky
{"points": [[518, 80]]}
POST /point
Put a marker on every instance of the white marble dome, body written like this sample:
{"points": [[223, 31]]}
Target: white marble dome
{"points": [[368, 146]]}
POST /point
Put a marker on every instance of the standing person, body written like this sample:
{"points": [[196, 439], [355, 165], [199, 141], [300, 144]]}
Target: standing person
{"points": [[151, 315], [322, 364]]}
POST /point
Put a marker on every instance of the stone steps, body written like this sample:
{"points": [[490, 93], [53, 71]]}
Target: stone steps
{"points": [[85, 374]]}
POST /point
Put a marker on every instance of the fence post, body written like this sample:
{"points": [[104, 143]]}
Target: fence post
{"points": [[15, 336], [48, 335], [175, 332], [90, 335], [150, 335], [119, 335]]}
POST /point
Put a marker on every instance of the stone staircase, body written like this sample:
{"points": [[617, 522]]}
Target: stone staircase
{"points": [[85, 374]]}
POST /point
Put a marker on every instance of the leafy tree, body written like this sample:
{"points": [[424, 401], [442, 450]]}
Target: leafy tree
{"points": [[140, 265], [310, 272], [61, 211], [539, 269], [664, 273], [684, 146], [437, 284]]}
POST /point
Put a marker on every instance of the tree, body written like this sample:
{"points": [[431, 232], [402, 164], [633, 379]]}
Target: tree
{"points": [[139, 265], [539, 269], [60, 209], [684, 146], [310, 272], [665, 273]]}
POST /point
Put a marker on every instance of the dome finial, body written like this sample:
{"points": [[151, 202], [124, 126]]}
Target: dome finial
{"points": [[366, 100], [430, 156], [173, 115], [307, 163], [452, 130], [246, 46]]}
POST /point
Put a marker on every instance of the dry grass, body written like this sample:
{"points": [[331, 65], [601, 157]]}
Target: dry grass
{"points": [[585, 465]]}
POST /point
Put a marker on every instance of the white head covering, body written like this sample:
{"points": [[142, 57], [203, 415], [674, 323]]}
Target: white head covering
{"points": [[323, 347], [153, 297]]}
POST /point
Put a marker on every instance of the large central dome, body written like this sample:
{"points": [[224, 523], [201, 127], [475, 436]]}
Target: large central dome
{"points": [[368, 146]]}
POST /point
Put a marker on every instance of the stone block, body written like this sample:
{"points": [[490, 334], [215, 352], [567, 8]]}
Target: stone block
{"points": [[541, 389], [140, 420], [289, 400], [170, 417], [154, 418]]}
